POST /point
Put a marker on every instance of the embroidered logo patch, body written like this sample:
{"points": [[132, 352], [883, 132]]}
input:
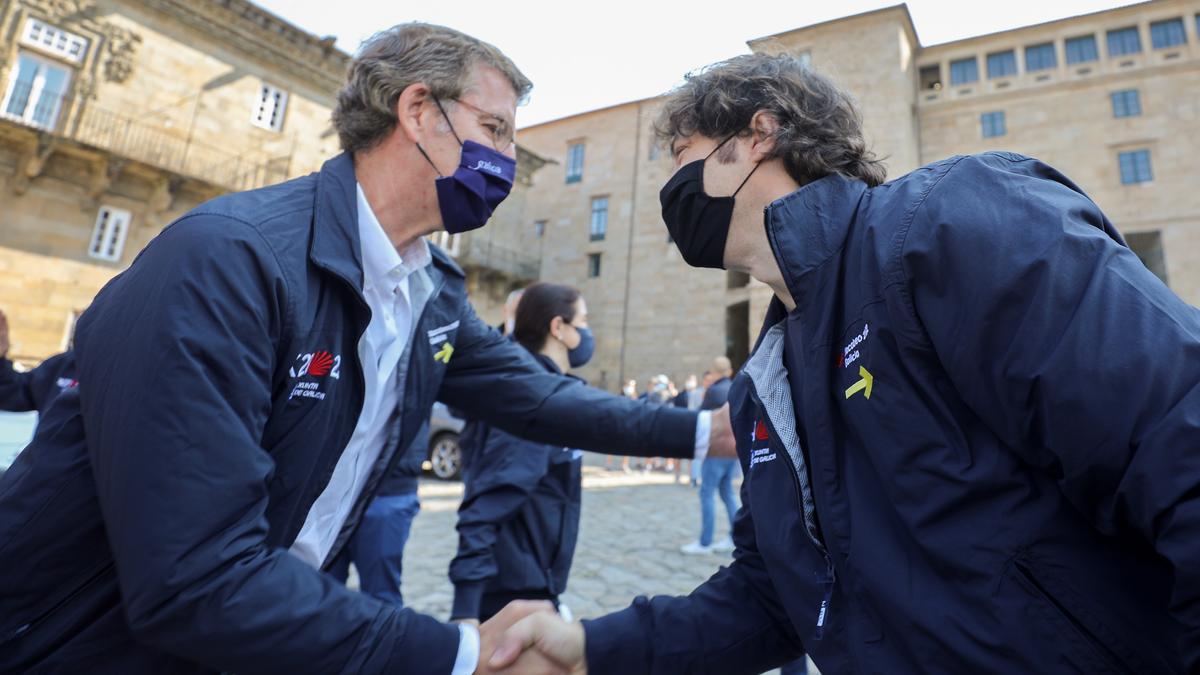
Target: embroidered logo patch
{"points": [[314, 370]]}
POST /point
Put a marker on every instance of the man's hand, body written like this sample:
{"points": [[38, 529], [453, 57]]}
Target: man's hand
{"points": [[4, 344], [720, 439], [523, 662], [546, 636]]}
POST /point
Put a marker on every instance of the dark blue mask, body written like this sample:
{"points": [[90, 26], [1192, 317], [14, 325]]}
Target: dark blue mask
{"points": [[582, 353], [482, 180]]}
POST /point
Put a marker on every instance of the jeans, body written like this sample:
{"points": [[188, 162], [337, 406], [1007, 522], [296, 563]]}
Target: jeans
{"points": [[377, 548], [716, 473]]}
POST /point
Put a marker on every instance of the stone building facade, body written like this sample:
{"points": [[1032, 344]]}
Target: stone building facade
{"points": [[118, 116], [1110, 98]]}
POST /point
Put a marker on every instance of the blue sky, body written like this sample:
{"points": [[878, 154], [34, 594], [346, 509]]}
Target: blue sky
{"points": [[583, 56]]}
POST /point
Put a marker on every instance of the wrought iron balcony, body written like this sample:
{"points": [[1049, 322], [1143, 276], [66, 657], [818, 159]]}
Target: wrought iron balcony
{"points": [[137, 140], [474, 251]]}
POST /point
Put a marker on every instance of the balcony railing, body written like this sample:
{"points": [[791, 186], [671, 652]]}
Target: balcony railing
{"points": [[138, 140], [487, 255]]}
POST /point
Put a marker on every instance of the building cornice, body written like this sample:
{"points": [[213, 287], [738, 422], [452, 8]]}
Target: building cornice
{"points": [[261, 35]]}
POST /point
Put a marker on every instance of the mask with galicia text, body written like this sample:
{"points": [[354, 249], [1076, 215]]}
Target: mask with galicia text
{"points": [[582, 353], [699, 224], [482, 180]]}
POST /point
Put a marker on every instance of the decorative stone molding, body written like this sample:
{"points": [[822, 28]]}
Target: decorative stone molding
{"points": [[112, 46], [32, 162], [104, 173], [66, 11], [163, 197], [262, 36], [120, 46]]}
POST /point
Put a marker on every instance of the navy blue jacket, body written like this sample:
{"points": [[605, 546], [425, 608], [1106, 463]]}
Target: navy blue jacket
{"points": [[145, 529], [717, 394], [519, 518], [404, 477], [994, 465], [35, 389]]}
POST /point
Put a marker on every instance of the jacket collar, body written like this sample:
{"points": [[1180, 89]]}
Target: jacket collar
{"points": [[808, 226], [335, 242]]}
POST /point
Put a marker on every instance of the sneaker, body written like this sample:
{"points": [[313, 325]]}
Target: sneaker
{"points": [[723, 546], [695, 548]]}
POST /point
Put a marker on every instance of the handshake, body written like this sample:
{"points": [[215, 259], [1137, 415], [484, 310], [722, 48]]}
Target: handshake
{"points": [[529, 638]]}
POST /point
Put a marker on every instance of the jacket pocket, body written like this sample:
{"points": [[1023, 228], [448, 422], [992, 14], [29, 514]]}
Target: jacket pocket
{"points": [[1092, 652], [28, 626]]}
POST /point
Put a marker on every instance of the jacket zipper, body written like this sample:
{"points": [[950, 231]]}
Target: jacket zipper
{"points": [[830, 574], [29, 625], [355, 509]]}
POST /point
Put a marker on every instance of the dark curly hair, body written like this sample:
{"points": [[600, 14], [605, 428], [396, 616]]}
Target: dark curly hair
{"points": [[820, 128]]}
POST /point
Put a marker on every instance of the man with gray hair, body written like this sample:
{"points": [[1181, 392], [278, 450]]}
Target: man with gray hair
{"points": [[254, 374], [969, 427]]}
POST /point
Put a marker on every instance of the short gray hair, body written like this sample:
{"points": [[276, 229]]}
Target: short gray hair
{"points": [[392, 60], [820, 129]]}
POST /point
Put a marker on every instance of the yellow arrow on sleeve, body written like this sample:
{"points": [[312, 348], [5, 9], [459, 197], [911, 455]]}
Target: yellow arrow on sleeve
{"points": [[444, 353], [864, 385]]}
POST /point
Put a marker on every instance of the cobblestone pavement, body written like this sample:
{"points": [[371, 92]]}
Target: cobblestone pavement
{"points": [[631, 530]]}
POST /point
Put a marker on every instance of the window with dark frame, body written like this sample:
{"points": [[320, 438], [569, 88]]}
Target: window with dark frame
{"points": [[993, 124], [598, 227], [593, 270], [575, 163], [964, 71], [1081, 49], [1001, 64], [1123, 41], [1167, 33], [1135, 167], [1126, 103], [1040, 57]]}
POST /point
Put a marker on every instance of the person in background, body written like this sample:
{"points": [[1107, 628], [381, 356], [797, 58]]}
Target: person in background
{"points": [[716, 473], [659, 394], [34, 389], [519, 517], [510, 311], [377, 547], [717, 393], [629, 391], [691, 397]]}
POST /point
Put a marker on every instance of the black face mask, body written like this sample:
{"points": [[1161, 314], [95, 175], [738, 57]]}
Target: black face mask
{"points": [[699, 224]]}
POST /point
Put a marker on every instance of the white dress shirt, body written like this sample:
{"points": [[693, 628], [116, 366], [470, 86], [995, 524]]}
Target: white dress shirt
{"points": [[386, 274]]}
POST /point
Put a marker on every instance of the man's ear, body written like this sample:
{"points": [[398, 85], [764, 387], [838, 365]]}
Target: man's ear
{"points": [[556, 325], [764, 127], [410, 110]]}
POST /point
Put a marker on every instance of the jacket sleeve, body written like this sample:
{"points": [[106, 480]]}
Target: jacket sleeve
{"points": [[16, 390], [504, 474], [1070, 350], [495, 380], [732, 624], [177, 356]]}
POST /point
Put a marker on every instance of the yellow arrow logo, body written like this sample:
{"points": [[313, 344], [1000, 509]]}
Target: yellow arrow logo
{"points": [[864, 385], [444, 353]]}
